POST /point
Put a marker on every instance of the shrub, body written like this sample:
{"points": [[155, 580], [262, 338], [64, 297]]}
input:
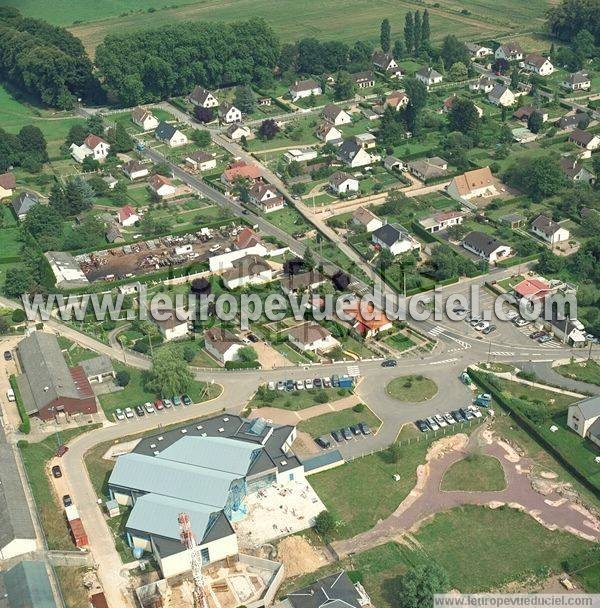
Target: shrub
{"points": [[358, 408], [123, 377], [324, 523], [18, 315], [321, 397]]}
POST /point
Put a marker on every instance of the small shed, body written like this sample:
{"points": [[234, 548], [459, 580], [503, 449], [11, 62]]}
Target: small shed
{"points": [[112, 508]]}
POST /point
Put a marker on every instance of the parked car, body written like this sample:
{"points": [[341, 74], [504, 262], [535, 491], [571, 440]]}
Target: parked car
{"points": [[537, 334], [422, 426], [129, 412], [67, 501], [327, 382], [323, 442], [62, 450], [281, 385], [474, 321], [520, 322], [289, 385], [354, 430], [481, 325], [335, 380], [271, 386], [299, 385], [139, 410], [511, 315], [449, 418], [158, 405], [433, 425], [440, 420], [459, 310], [364, 428], [389, 363], [119, 415], [346, 433], [149, 407], [7, 355], [167, 403], [318, 383], [467, 413], [489, 330], [186, 399], [308, 383], [458, 416], [253, 338], [336, 436], [475, 411], [176, 399], [56, 472], [545, 338]]}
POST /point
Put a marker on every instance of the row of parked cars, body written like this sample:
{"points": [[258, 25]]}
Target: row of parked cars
{"points": [[300, 385], [485, 327], [439, 421], [149, 408], [344, 434]]}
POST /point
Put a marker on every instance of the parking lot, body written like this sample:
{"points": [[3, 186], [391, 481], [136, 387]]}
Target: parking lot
{"points": [[158, 407]]}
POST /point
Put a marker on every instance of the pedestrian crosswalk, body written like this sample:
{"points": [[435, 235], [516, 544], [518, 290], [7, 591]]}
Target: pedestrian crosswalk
{"points": [[353, 371], [502, 353], [439, 331]]}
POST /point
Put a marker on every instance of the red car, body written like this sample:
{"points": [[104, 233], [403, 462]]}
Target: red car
{"points": [[62, 450], [158, 404]]}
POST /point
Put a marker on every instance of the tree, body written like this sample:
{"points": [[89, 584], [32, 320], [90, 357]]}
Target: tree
{"points": [[417, 95], [77, 133], [344, 87], [386, 259], [10, 150], [417, 586], [309, 259], [44, 223], [399, 49], [500, 66], [409, 32], [17, 282], [454, 51], [457, 72], [268, 129], [514, 78], [204, 115], [90, 164], [392, 453], [120, 140], [122, 377], [583, 45], [385, 35], [34, 150], [464, 117], [170, 373], [540, 176], [244, 99], [324, 523], [416, 32], [95, 125], [201, 137], [569, 17], [425, 31], [535, 122], [79, 196], [247, 354]]}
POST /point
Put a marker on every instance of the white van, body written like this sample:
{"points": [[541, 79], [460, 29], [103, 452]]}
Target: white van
{"points": [[10, 394]]}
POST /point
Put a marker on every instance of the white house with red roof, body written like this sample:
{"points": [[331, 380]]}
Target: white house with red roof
{"points": [[532, 289], [266, 197], [8, 183], [127, 216], [93, 146], [246, 243], [442, 220], [161, 186]]}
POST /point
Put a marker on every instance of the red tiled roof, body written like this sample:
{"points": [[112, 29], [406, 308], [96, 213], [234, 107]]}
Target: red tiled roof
{"points": [[126, 212], [8, 181], [531, 287], [91, 141]]}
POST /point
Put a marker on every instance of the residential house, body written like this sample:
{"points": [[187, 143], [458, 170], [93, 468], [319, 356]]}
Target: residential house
{"points": [[8, 183], [92, 146], [477, 51], [246, 239], [247, 242], [343, 183], [483, 85], [393, 163], [172, 324], [501, 95], [127, 216], [23, 203], [367, 320], [576, 171], [548, 230], [442, 220], [170, 135], [429, 76], [311, 337], [510, 51], [539, 65], [353, 154], [236, 131], [98, 369], [161, 186], [363, 80], [304, 281], [49, 388], [265, 197], [300, 155], [584, 418], [524, 113], [523, 135], [397, 100], [486, 247], [113, 234], [110, 181], [240, 170], [572, 120], [395, 238], [577, 81], [305, 88], [134, 169], [201, 161], [223, 345], [366, 218], [386, 63], [144, 118], [335, 115], [428, 168], [328, 133], [584, 139], [368, 141], [569, 331], [532, 289], [203, 98], [333, 591], [229, 114], [513, 220], [472, 184], [249, 270]]}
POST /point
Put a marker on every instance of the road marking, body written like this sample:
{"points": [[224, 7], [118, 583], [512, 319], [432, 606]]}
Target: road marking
{"points": [[502, 353], [438, 330], [444, 361]]}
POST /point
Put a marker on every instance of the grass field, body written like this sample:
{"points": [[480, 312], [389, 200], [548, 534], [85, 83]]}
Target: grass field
{"points": [[476, 473], [297, 400], [357, 19], [412, 388], [323, 425], [588, 371]]}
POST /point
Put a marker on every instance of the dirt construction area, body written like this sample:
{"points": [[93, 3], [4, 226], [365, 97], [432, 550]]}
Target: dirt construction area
{"points": [[298, 556]]}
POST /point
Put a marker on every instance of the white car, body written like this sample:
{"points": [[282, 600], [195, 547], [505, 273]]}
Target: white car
{"points": [[482, 325], [327, 382], [308, 384], [475, 411], [511, 315], [129, 412], [299, 385], [119, 415], [281, 385], [433, 425], [449, 419], [167, 403], [520, 322], [271, 386], [440, 420], [149, 407]]}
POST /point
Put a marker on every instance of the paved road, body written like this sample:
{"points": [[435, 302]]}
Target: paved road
{"points": [[548, 374]]}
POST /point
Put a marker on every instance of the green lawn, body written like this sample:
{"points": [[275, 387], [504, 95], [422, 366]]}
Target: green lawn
{"points": [[483, 549], [475, 473], [296, 400], [587, 371], [35, 458], [412, 388], [323, 425], [75, 354], [399, 341], [289, 219], [290, 353]]}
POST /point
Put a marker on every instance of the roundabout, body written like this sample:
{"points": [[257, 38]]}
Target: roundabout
{"points": [[412, 389]]}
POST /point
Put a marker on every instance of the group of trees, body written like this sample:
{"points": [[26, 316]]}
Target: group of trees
{"points": [[417, 33], [45, 61], [153, 64], [567, 19], [539, 176], [27, 149]]}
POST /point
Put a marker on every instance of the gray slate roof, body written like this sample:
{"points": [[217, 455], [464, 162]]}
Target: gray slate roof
{"points": [[589, 407], [482, 242], [27, 585], [165, 131], [334, 591], [24, 202], [97, 365], [390, 233]]}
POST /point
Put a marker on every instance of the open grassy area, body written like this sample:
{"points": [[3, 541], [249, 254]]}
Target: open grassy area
{"points": [[503, 545], [70, 580], [475, 473], [297, 400], [323, 425], [35, 458], [587, 371], [412, 388]]}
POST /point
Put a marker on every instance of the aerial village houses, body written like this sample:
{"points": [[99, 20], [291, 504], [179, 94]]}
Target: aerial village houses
{"points": [[532, 289], [266, 197], [203, 98], [8, 183], [539, 65], [442, 221], [577, 81], [172, 324], [477, 51], [367, 320], [249, 270], [134, 169], [395, 238], [311, 337], [240, 170], [367, 219], [333, 591], [328, 133], [300, 155], [236, 131], [335, 115], [386, 63], [363, 80], [472, 184], [548, 230], [396, 100], [482, 85], [144, 118], [161, 186], [576, 171], [584, 139], [222, 344], [352, 153], [510, 51], [228, 113], [584, 418], [127, 216], [201, 161], [486, 247], [305, 88], [304, 281], [525, 112], [501, 95], [343, 183], [428, 168], [429, 76], [23, 203], [92, 146], [170, 135]]}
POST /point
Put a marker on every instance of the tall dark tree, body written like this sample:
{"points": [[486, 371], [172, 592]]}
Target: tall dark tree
{"points": [[344, 87], [535, 122], [463, 117], [399, 49], [385, 35], [417, 32], [454, 51], [10, 150], [120, 140], [409, 32], [268, 129], [425, 31], [245, 100], [417, 95], [204, 115]]}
